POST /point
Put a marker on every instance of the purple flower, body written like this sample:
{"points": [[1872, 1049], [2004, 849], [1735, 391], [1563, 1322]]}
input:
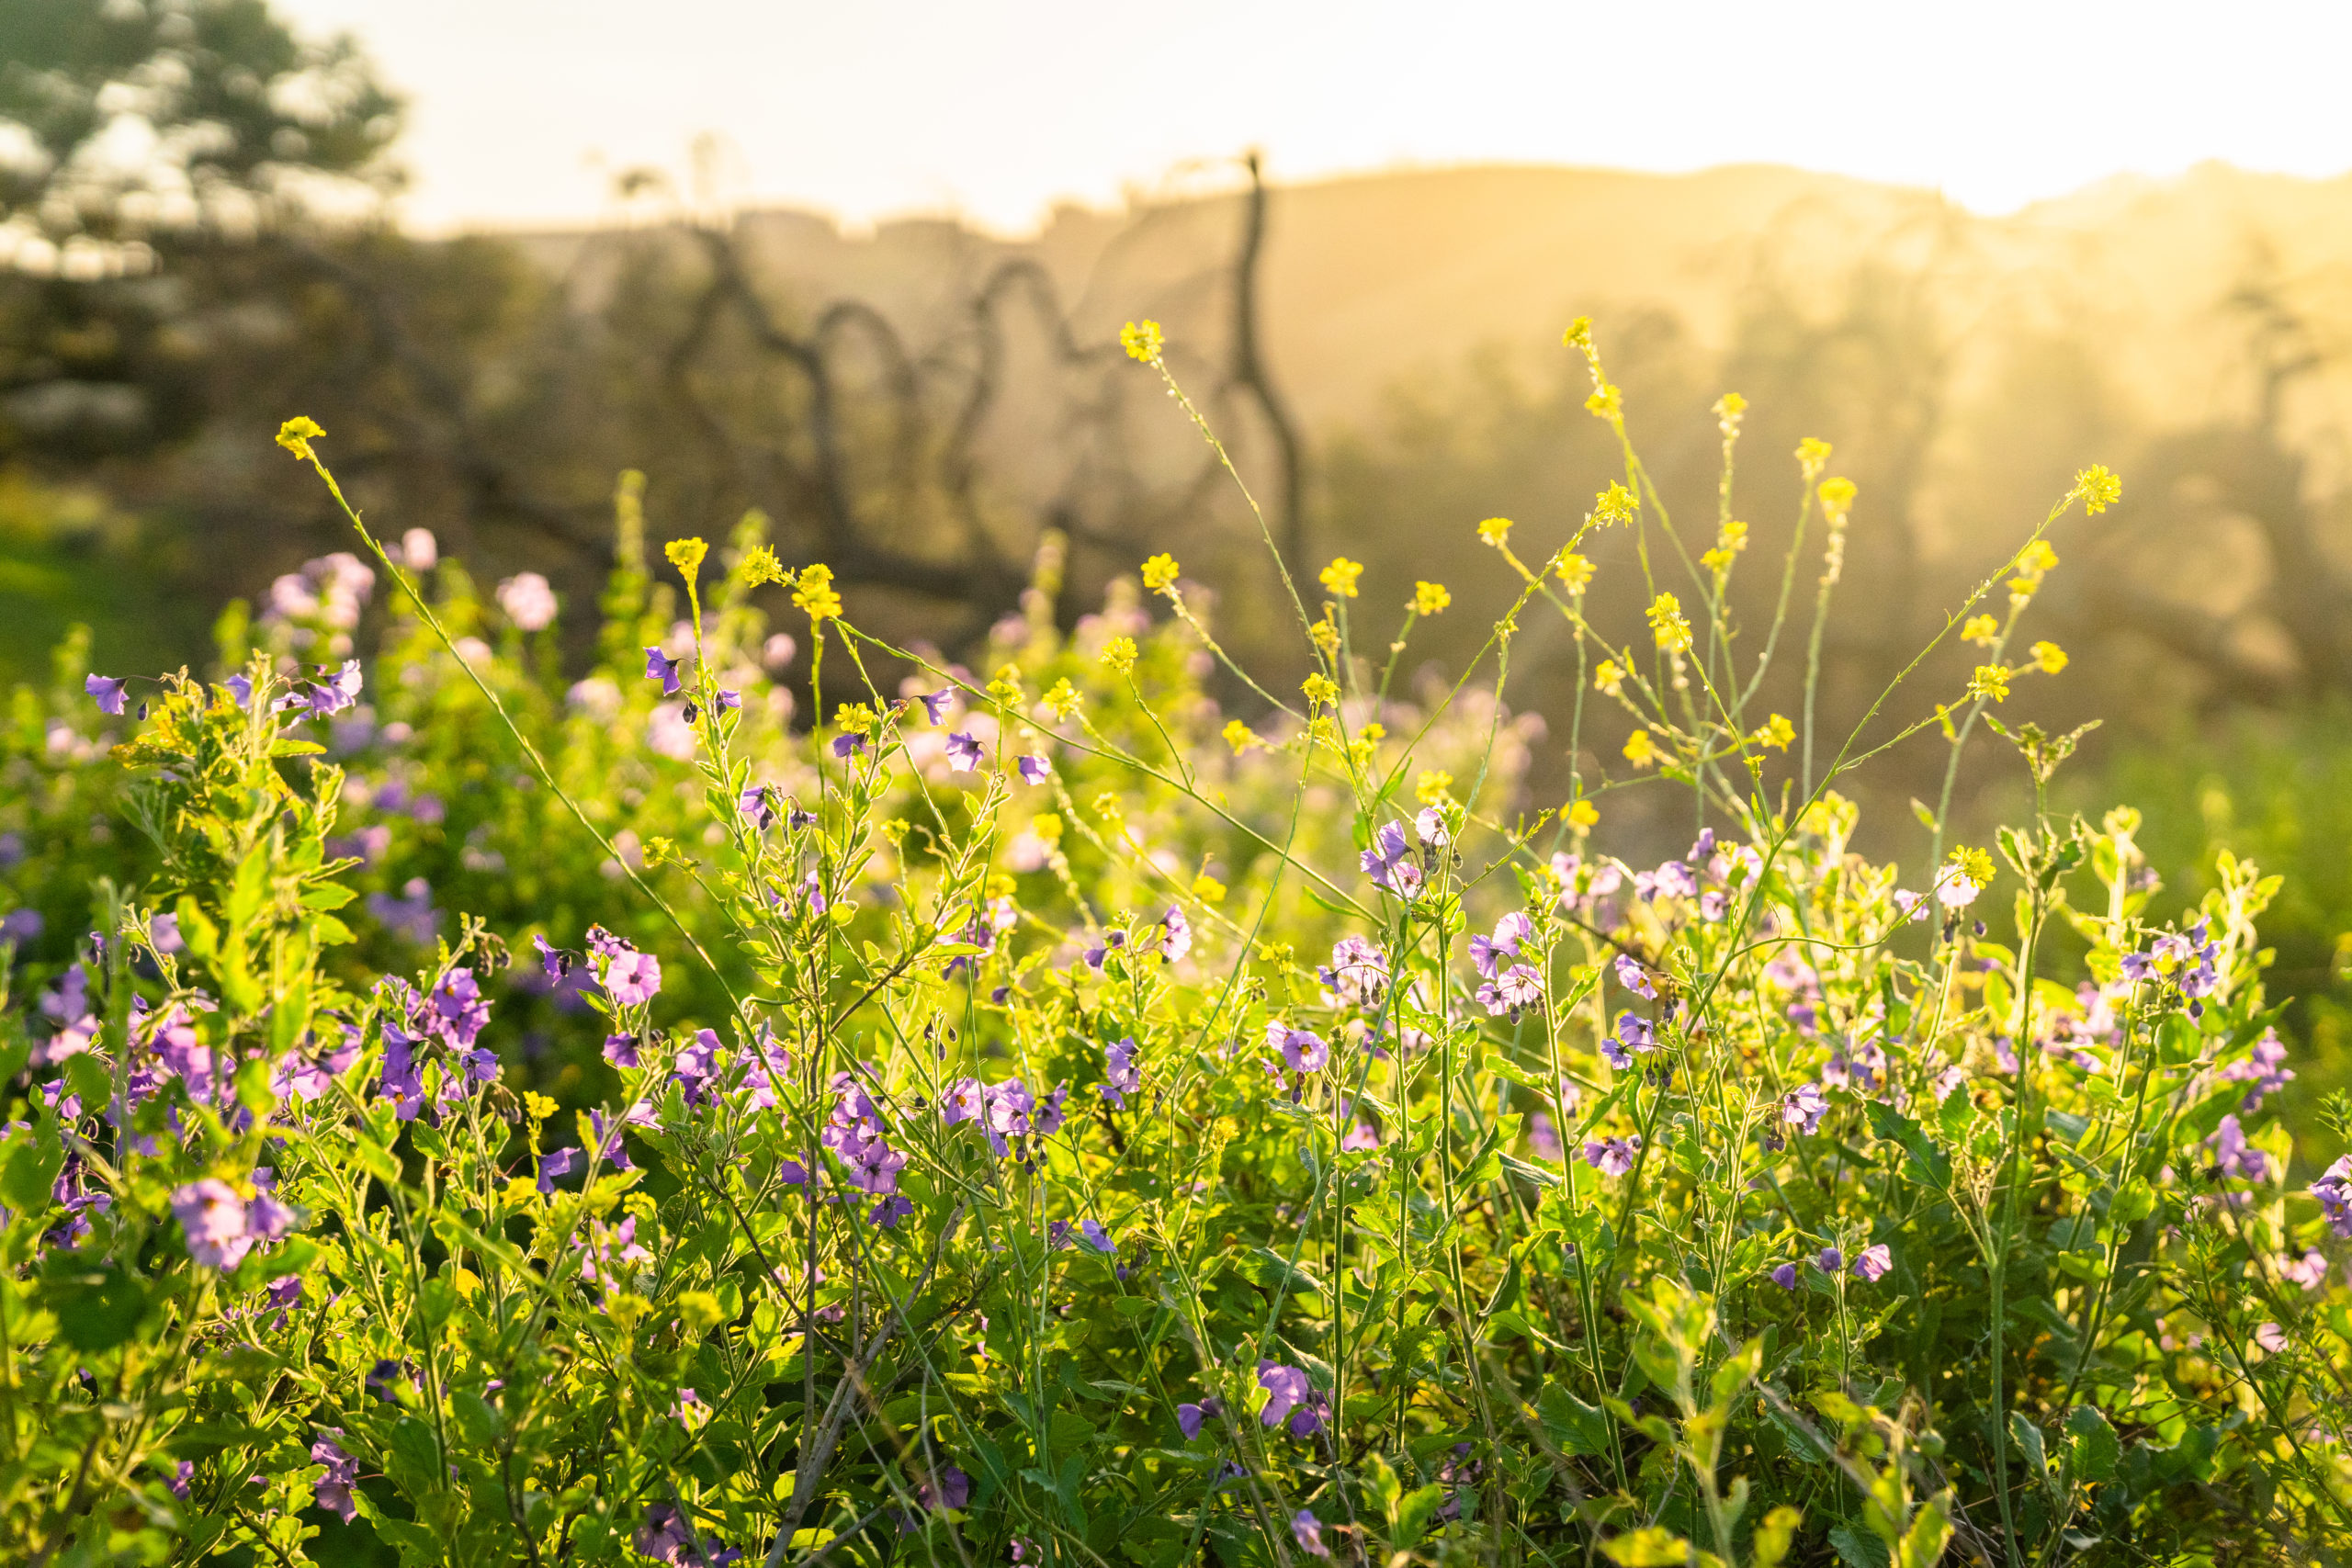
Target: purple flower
{"points": [[215, 1221], [955, 1490], [1509, 931], [889, 1211], [1785, 1276], [1633, 1031], [180, 1478], [1096, 1237], [334, 1488], [1309, 1531], [965, 1098], [1512, 992], [963, 752], [1830, 1260], [1388, 861], [631, 978], [1289, 1397], [756, 807], [1122, 1078], [665, 1536], [660, 667], [728, 702], [336, 693], [2266, 1072], [934, 707], [1612, 1156], [2334, 1190], [21, 925], [1190, 1416], [1805, 1108], [106, 690], [1430, 828], [1872, 1263], [2235, 1156], [1036, 770], [848, 745], [1176, 935], [1302, 1048], [697, 1065], [562, 1162], [1634, 977], [621, 1051], [1363, 1135]]}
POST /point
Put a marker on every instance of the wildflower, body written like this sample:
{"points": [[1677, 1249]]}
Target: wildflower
{"points": [[1035, 769], [1494, 532], [1872, 1263], [296, 434], [332, 1489], [1143, 341], [1785, 1276], [2099, 490], [219, 1226], [1813, 455], [1837, 499], [1990, 683], [1634, 977], [1119, 655], [952, 1491], [1804, 1108], [1668, 625], [1302, 1048], [1159, 573], [631, 978], [1830, 1260], [1208, 889], [1122, 1078], [1516, 989], [1361, 1135], [1308, 1531], [964, 753], [107, 689], [1583, 815], [1238, 736], [1982, 630], [661, 667], [756, 807], [2267, 1071], [528, 600], [1176, 935], [2048, 657], [813, 592], [1634, 1032], [2309, 1270], [1607, 677], [1095, 1236], [665, 1536], [1289, 1397], [562, 1162], [2333, 1191], [1573, 570], [1777, 733], [1340, 578], [1061, 700], [1321, 690], [1388, 860], [1612, 1156], [1640, 749], [1615, 504], [2234, 1155], [1190, 1416], [1429, 598]]}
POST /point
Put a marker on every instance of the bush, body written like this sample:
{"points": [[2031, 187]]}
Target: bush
{"points": [[1032, 1115]]}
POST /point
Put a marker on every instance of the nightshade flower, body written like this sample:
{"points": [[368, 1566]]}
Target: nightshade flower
{"points": [[334, 1488], [696, 1065], [180, 1477], [1830, 1260], [661, 667], [757, 807], [1514, 991], [1785, 1276], [963, 752], [631, 978], [2235, 1156], [1805, 1108], [1176, 935], [2334, 1190], [1634, 1032], [1389, 864], [2266, 1072], [965, 1099], [107, 689], [214, 1220], [1190, 1416], [1122, 1078], [1302, 1048], [1289, 1398], [955, 1489], [934, 707], [1309, 1530], [1096, 1237], [665, 1536], [336, 693], [1036, 770], [1509, 931], [1634, 977], [1872, 1263], [1612, 1156], [1430, 828]]}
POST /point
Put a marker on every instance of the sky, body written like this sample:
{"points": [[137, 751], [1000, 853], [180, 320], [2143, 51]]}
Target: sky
{"points": [[521, 110]]}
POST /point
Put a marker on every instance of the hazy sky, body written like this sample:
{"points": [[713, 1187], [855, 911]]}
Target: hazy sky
{"points": [[871, 108]]}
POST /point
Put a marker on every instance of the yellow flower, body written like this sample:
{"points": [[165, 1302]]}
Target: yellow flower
{"points": [[1668, 625], [1640, 749], [1606, 402], [1494, 531], [854, 719], [538, 1107], [1608, 678], [1374, 731], [814, 593], [1777, 733], [1813, 455], [686, 554], [1728, 409], [1208, 889], [1579, 333], [760, 566], [1982, 630], [1238, 736], [2036, 561], [1062, 701], [1429, 598], [2048, 657], [1837, 498], [1047, 827], [1321, 690], [296, 434], [1989, 682], [2099, 489], [1615, 504], [1119, 653], [1325, 637], [1339, 577], [1574, 571], [1159, 573], [1434, 786], [1142, 342], [1583, 815], [1975, 864]]}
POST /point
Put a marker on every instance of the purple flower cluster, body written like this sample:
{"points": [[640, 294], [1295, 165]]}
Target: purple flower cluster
{"points": [[855, 1135], [1291, 1400], [1007, 1112], [451, 1018], [1121, 1077], [1612, 1156], [221, 1227], [1391, 864]]}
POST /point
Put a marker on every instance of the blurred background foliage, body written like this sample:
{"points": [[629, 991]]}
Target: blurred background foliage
{"points": [[194, 242]]}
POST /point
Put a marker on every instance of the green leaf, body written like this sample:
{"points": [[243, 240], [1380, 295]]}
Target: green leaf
{"points": [[1649, 1547], [1774, 1535], [97, 1309], [2029, 1441], [1579, 1429], [1414, 1510], [34, 1161], [2096, 1450], [1858, 1547]]}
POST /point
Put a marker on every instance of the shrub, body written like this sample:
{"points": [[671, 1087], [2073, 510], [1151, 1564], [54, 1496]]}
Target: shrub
{"points": [[1032, 1115]]}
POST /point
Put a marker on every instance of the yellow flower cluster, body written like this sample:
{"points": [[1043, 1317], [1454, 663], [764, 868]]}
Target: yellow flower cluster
{"points": [[1238, 736], [1325, 636], [1728, 544], [1429, 598], [1574, 571], [1729, 408], [1583, 815], [1119, 654], [1837, 499], [854, 719], [686, 554], [1494, 531], [2048, 657], [296, 434], [1615, 504], [1159, 573], [1668, 623], [1143, 341], [1990, 682], [1339, 577], [1433, 787], [1320, 689], [1813, 455], [2099, 489], [1975, 864], [1608, 678], [1640, 749], [1062, 701], [760, 566], [1777, 733], [813, 592], [1982, 630]]}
